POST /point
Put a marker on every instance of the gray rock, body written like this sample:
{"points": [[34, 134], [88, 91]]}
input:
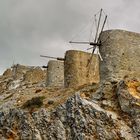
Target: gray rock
{"points": [[77, 119]]}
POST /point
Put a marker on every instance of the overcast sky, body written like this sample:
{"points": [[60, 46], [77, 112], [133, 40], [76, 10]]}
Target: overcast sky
{"points": [[29, 28]]}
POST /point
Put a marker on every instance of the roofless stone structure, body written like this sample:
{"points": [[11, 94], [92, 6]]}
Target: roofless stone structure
{"points": [[121, 55], [77, 71], [55, 73]]}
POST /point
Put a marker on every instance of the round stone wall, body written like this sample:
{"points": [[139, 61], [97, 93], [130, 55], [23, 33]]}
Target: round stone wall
{"points": [[77, 72], [121, 55], [55, 73]]}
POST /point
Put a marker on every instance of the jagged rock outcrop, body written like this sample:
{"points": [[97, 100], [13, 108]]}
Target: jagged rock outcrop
{"points": [[20, 75], [35, 75], [91, 112], [8, 73]]}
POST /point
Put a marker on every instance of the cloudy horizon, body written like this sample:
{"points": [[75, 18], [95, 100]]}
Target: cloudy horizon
{"points": [[29, 28]]}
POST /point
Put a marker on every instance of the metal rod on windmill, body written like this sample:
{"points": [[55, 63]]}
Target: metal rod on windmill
{"points": [[98, 25], [98, 42], [95, 43], [90, 43], [45, 67], [57, 58], [96, 47]]}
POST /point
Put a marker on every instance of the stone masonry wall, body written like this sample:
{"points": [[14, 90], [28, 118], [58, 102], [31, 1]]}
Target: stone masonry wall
{"points": [[121, 55], [77, 72], [55, 73]]}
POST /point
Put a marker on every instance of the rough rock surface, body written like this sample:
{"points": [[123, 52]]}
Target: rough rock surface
{"points": [[109, 111]]}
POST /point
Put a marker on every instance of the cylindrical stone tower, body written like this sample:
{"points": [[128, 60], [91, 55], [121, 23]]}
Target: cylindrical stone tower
{"points": [[55, 73], [77, 71], [121, 55]]}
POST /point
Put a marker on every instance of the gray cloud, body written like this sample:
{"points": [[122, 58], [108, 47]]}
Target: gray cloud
{"points": [[29, 28]]}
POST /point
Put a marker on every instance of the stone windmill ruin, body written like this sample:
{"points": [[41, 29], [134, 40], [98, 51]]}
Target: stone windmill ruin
{"points": [[118, 51], [78, 67], [55, 71], [83, 67]]}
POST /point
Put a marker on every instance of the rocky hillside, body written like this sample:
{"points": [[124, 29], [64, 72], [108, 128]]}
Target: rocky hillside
{"points": [[31, 111]]}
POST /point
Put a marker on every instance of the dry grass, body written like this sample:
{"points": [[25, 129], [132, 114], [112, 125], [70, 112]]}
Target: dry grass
{"points": [[29, 98]]}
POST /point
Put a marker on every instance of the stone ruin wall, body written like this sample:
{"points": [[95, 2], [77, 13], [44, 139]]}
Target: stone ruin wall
{"points": [[77, 72], [121, 58], [121, 55], [55, 73]]}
